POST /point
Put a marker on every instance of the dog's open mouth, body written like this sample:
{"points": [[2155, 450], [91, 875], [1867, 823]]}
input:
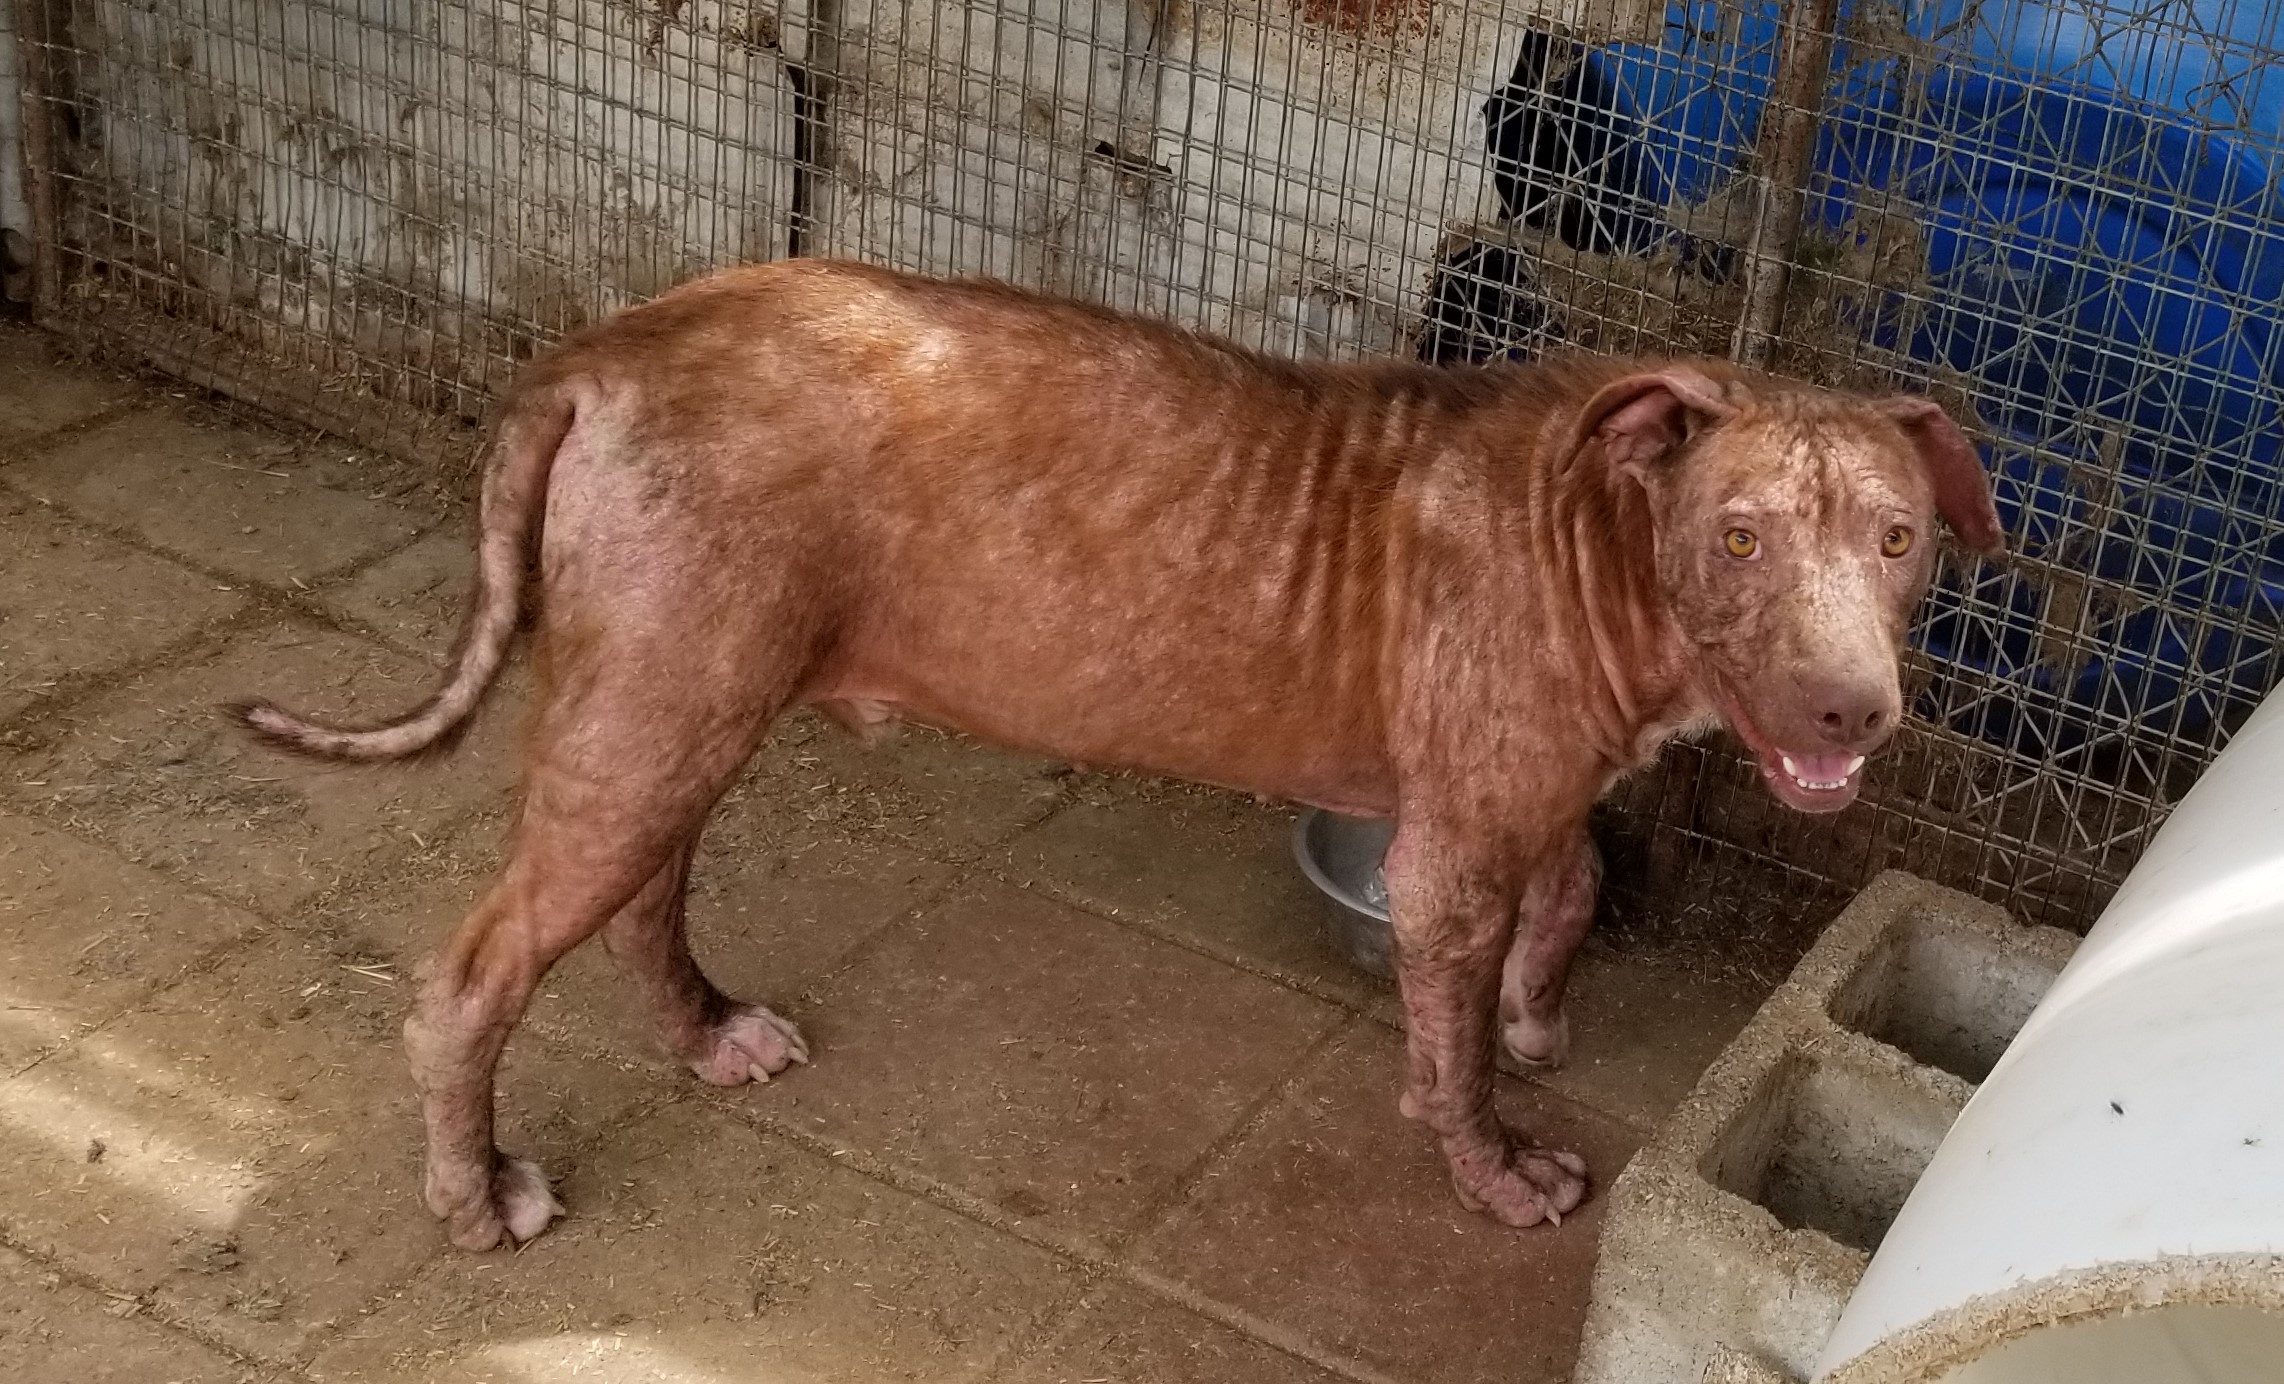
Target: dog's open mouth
{"points": [[1813, 782], [1823, 782]]}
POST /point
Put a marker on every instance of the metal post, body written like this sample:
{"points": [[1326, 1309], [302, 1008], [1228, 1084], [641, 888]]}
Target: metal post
{"points": [[36, 24], [1787, 157]]}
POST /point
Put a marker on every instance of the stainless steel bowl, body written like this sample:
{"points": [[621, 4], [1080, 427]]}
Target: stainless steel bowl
{"points": [[1341, 856]]}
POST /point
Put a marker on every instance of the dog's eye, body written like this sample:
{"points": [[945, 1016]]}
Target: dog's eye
{"points": [[1741, 543], [1897, 542]]}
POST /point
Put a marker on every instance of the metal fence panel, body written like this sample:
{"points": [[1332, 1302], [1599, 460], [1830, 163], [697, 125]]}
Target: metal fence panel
{"points": [[2060, 216]]}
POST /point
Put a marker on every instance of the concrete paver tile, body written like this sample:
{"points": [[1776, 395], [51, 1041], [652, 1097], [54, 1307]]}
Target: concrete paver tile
{"points": [[40, 393], [700, 1251], [1061, 1067], [84, 935], [1211, 867], [1642, 1034], [248, 502], [945, 793], [52, 1331], [417, 596], [1123, 1335], [1335, 1219], [155, 768], [246, 1148], [75, 604]]}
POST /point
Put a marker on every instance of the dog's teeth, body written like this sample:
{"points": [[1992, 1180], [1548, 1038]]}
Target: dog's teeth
{"points": [[1790, 767], [1855, 764]]}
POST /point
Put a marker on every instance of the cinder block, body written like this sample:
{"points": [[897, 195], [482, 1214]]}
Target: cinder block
{"points": [[1735, 1237]]}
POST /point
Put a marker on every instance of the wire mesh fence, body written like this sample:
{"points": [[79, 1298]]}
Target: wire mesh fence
{"points": [[2060, 216]]}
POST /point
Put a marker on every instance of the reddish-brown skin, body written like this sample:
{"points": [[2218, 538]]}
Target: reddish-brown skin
{"points": [[1467, 600]]}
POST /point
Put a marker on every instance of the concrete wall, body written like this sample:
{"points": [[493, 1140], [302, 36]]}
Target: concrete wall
{"points": [[1284, 173], [412, 194], [437, 187]]}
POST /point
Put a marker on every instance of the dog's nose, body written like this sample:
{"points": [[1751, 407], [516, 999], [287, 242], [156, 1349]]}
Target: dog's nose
{"points": [[1851, 716]]}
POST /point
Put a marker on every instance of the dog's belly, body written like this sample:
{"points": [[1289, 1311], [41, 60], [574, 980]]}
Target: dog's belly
{"points": [[1271, 752]]}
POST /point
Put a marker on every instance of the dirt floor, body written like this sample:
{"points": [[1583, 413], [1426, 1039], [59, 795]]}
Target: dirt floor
{"points": [[1092, 1098]]}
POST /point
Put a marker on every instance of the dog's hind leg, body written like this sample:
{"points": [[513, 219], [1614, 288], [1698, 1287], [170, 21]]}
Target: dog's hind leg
{"points": [[567, 873], [724, 1041], [638, 730]]}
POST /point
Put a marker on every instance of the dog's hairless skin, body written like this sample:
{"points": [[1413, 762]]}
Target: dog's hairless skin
{"points": [[1465, 600]]}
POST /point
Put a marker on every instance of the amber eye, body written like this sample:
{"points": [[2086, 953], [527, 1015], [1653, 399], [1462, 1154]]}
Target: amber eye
{"points": [[1897, 542], [1741, 543]]}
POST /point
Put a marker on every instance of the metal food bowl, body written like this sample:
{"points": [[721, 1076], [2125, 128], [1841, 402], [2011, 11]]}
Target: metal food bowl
{"points": [[1341, 856]]}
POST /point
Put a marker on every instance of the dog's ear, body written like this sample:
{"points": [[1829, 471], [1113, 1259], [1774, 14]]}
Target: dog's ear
{"points": [[1962, 488], [1639, 420]]}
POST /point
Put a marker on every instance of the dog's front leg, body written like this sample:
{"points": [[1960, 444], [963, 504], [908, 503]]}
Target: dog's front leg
{"points": [[1455, 908], [1557, 911]]}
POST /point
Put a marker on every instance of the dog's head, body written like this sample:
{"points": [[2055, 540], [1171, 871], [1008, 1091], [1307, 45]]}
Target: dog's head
{"points": [[1795, 536]]}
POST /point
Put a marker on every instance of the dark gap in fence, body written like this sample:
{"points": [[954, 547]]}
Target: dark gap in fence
{"points": [[807, 113]]}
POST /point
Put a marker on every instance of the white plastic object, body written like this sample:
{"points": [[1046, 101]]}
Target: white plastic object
{"points": [[2109, 1207]]}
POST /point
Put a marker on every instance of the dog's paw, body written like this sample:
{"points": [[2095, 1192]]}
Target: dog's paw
{"points": [[1521, 1186], [513, 1209], [1537, 1043], [751, 1044]]}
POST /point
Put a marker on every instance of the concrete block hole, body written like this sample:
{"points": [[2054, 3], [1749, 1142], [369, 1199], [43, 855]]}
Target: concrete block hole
{"points": [[1946, 995], [1828, 1145]]}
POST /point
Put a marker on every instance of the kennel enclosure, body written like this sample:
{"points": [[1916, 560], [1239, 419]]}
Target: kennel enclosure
{"points": [[2061, 218]]}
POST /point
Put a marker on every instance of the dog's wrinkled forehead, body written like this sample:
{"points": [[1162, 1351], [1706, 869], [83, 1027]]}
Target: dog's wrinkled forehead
{"points": [[1824, 461]]}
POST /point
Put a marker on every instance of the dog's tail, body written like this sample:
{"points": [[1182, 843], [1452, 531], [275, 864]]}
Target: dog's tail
{"points": [[515, 494]]}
